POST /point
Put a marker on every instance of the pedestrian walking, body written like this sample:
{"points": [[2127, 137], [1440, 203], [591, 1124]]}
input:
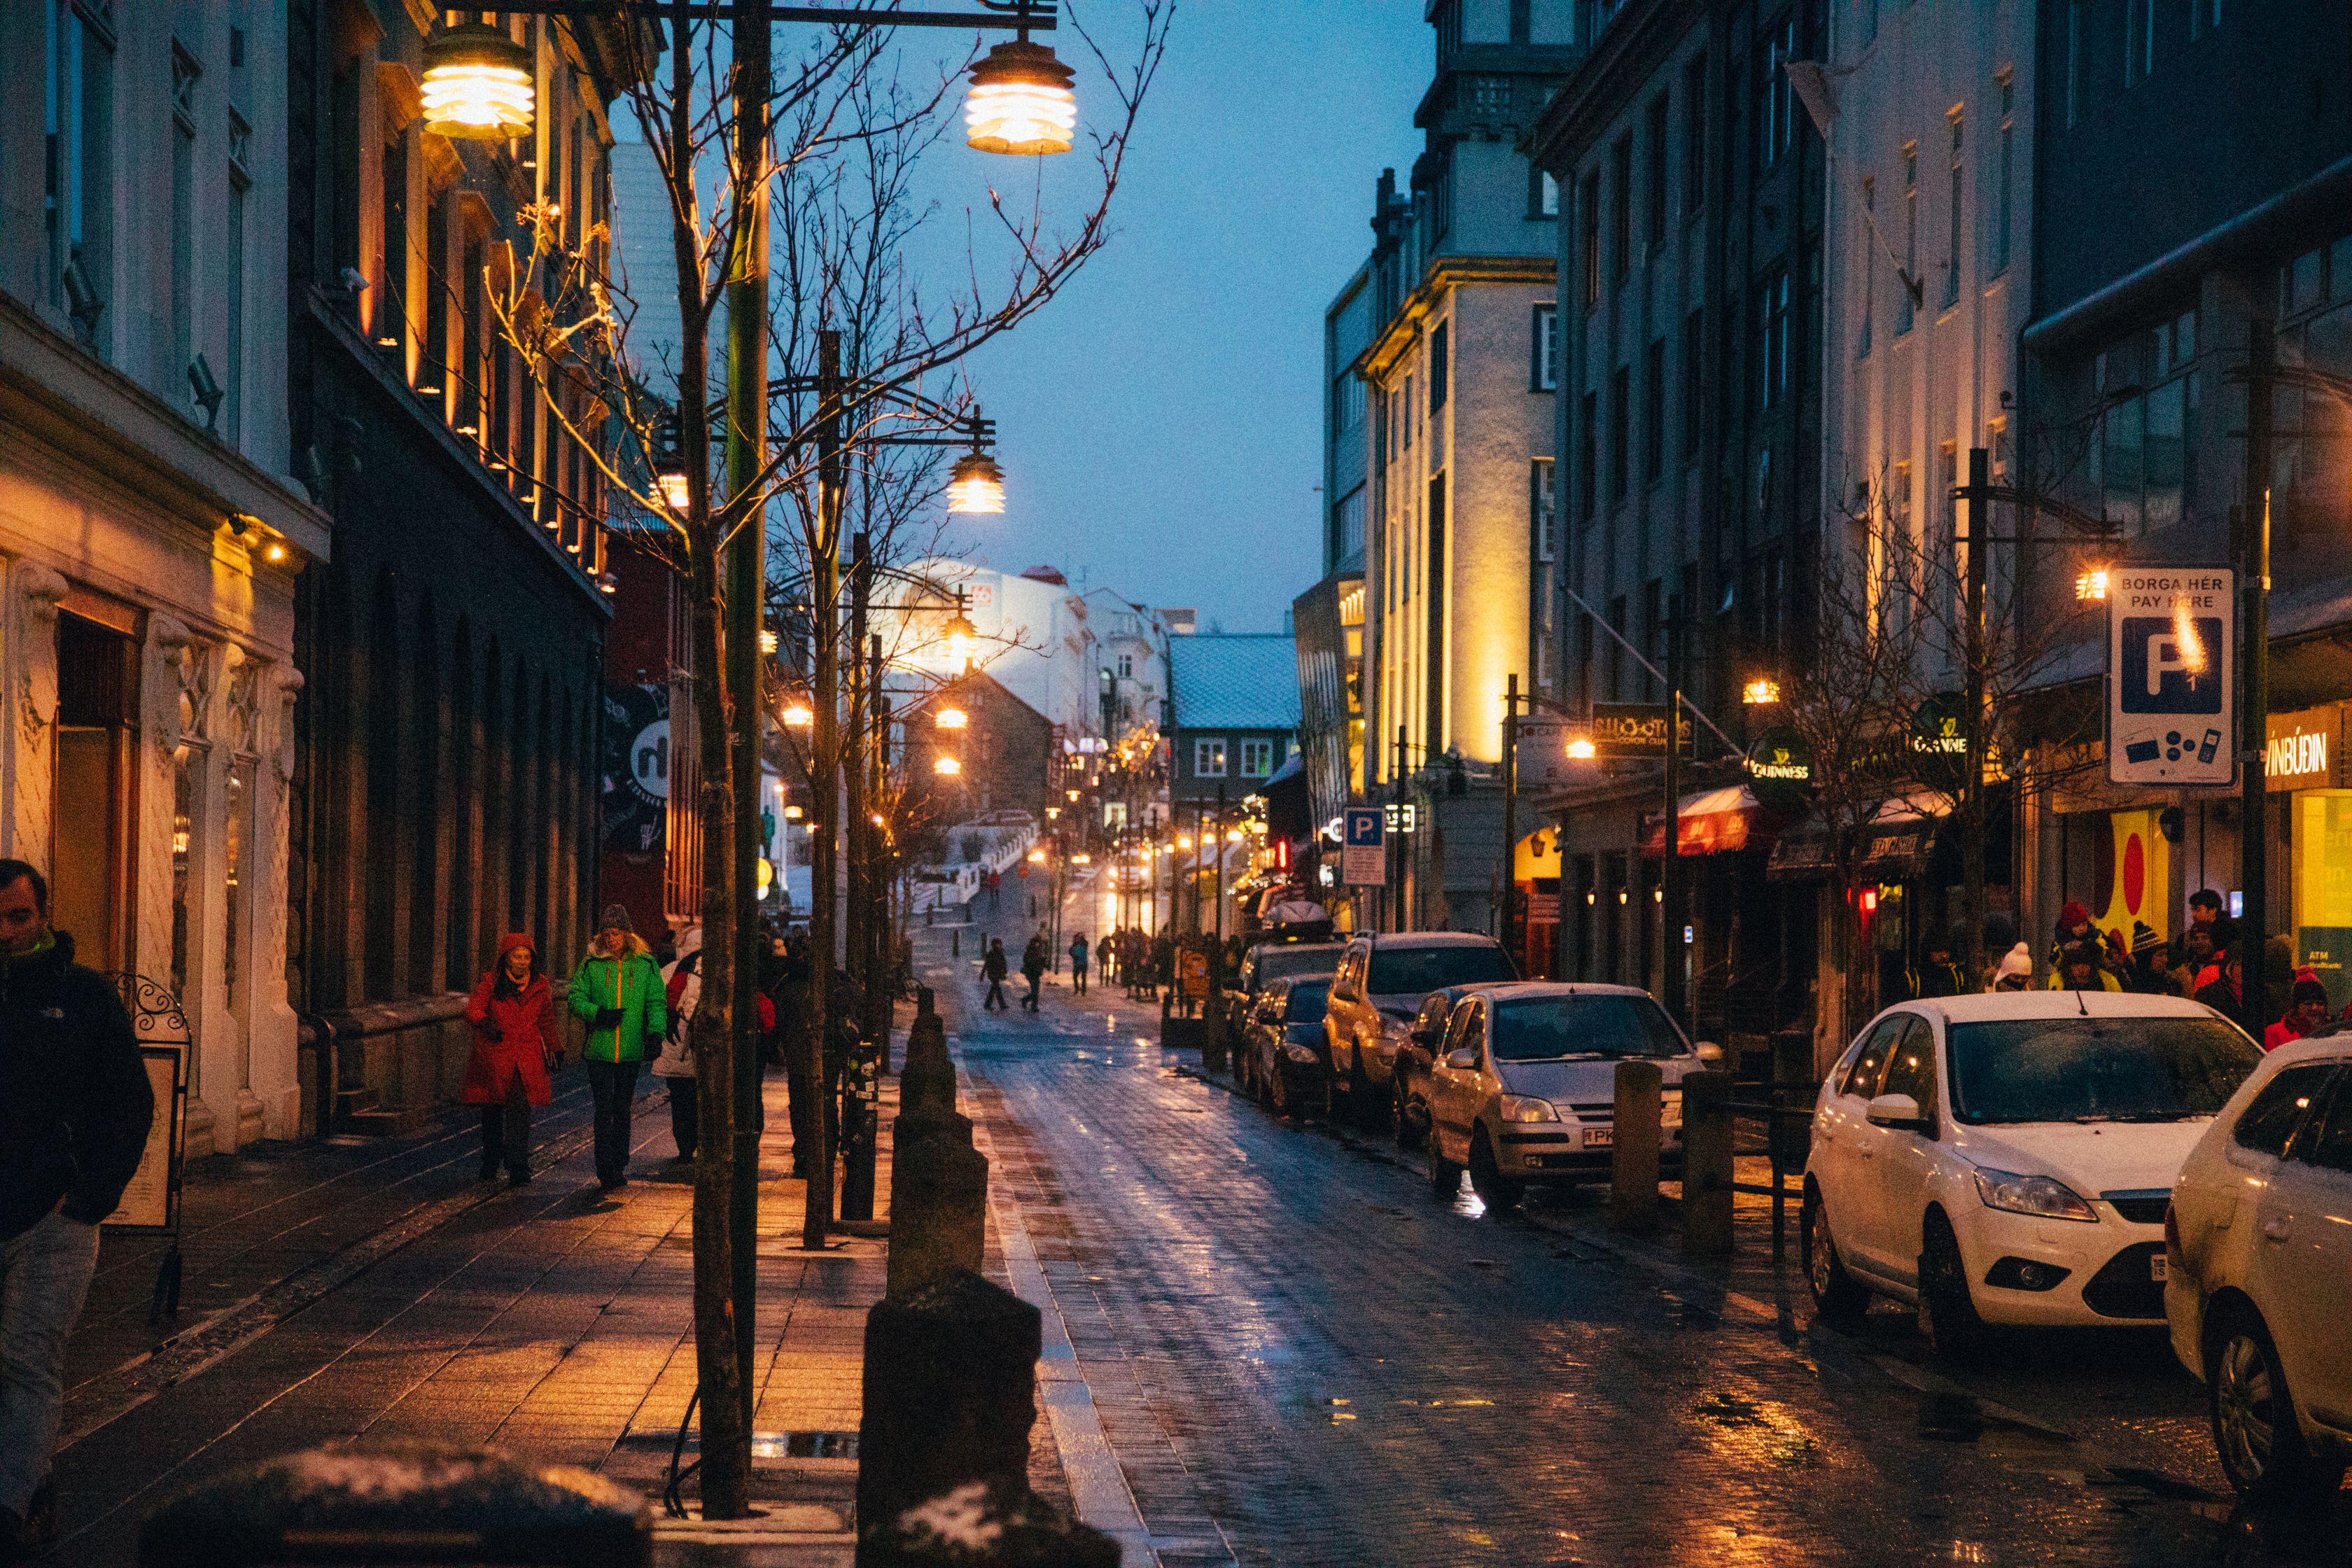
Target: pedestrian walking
{"points": [[618, 990], [516, 1046], [1078, 964], [75, 1108], [993, 966], [1937, 976], [1033, 967], [803, 1085], [2015, 971], [2307, 1017], [681, 991]]}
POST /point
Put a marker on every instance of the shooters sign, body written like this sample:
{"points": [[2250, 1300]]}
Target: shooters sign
{"points": [[2172, 638]]}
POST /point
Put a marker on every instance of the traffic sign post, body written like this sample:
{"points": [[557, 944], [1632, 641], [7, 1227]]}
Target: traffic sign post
{"points": [[2172, 639], [1364, 849]]}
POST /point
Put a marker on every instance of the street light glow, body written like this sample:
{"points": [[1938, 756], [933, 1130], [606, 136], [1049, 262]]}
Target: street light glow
{"points": [[976, 486], [1037, 857], [951, 719], [1583, 750], [799, 717], [1760, 691], [477, 84], [947, 767], [1082, 859], [2092, 584], [767, 640], [1021, 102], [675, 493]]}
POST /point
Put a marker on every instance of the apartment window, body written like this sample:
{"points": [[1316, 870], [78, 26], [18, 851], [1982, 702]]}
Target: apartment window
{"points": [[80, 167], [1543, 349], [1621, 383], [1693, 381], [1776, 105], [1543, 193], [2004, 175], [1543, 551], [1346, 403], [1588, 231], [2075, 15], [240, 183], [1412, 414], [1869, 266], [1543, 514], [391, 310], [1694, 135], [1902, 310], [1772, 340], [1656, 175], [1620, 211], [1440, 365], [1653, 413], [1588, 456], [1952, 247], [185, 73], [1209, 758], [1257, 758], [1446, 22], [1347, 527]]}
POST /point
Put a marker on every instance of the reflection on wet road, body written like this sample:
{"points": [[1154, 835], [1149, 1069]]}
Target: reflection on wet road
{"points": [[1301, 1357]]}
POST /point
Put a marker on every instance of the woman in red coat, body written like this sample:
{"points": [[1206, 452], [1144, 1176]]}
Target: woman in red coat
{"points": [[515, 1043]]}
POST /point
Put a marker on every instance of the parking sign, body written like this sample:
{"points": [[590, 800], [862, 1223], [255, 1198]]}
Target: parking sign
{"points": [[1364, 851], [2173, 635]]}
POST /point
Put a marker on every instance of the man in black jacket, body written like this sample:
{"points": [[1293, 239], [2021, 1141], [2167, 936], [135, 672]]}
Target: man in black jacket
{"points": [[75, 1108]]}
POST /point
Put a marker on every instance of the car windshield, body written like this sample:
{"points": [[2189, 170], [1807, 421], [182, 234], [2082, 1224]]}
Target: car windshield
{"points": [[1305, 1005], [1418, 971], [2095, 1069], [1547, 1028], [1277, 962]]}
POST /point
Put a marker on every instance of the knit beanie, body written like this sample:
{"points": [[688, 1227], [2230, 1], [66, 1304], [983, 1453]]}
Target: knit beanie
{"points": [[2016, 962], [616, 918]]}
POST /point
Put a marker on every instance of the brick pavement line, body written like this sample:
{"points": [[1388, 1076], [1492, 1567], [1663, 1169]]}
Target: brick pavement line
{"points": [[1098, 1486]]}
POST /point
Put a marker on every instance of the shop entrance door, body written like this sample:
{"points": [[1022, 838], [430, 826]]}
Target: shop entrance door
{"points": [[89, 858]]}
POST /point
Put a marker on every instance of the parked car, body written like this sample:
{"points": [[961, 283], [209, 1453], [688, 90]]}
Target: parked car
{"points": [[1381, 980], [1409, 1073], [1285, 1044], [2006, 1159], [1524, 1087], [2258, 1245], [1265, 962]]}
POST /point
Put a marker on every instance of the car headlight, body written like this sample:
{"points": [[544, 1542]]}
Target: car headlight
{"points": [[2046, 1197], [1302, 1054], [1527, 1108]]}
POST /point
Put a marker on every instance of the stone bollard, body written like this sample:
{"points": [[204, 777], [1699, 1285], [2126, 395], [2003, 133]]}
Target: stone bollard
{"points": [[401, 1503], [938, 1199], [929, 1076], [1707, 1164], [1633, 1153]]}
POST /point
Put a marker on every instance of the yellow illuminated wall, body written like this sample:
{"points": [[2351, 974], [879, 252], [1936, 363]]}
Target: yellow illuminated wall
{"points": [[2139, 888], [2322, 887]]}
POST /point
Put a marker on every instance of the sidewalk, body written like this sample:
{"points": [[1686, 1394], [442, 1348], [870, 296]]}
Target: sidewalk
{"points": [[373, 1289]]}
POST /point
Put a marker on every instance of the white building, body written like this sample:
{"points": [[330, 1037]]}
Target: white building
{"points": [[148, 536]]}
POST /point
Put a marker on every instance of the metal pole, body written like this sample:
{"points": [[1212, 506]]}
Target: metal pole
{"points": [[1394, 839], [1670, 873], [2254, 680], [824, 593], [1221, 867], [1972, 764], [1509, 881]]}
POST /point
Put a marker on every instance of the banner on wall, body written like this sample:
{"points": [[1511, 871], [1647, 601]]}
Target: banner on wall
{"points": [[635, 768], [2134, 865]]}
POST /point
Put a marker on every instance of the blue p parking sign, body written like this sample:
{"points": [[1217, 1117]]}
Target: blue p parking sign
{"points": [[2171, 645], [1363, 852]]}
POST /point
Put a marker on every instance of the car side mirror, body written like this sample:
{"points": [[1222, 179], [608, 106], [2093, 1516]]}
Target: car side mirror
{"points": [[1709, 1051], [1897, 1110], [1463, 1060], [1421, 1037]]}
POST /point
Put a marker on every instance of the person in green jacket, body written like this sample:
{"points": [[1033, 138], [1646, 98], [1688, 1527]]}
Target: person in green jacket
{"points": [[618, 990]]}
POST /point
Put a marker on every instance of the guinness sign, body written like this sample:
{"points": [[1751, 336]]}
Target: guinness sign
{"points": [[1781, 768]]}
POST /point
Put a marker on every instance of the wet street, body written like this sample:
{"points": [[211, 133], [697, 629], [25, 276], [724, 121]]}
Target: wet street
{"points": [[1301, 1357]]}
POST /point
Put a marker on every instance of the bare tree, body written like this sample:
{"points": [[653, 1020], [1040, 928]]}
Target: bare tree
{"points": [[836, 171]]}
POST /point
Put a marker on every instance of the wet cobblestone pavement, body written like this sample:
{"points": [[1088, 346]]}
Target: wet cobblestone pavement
{"points": [[1301, 1357]]}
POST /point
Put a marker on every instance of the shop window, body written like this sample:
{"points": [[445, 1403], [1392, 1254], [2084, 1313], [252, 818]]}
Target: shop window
{"points": [[89, 892]]}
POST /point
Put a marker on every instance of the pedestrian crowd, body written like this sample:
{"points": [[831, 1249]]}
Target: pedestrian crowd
{"points": [[2205, 964]]}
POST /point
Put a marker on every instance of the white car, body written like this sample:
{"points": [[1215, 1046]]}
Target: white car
{"points": [[2007, 1159], [2260, 1239]]}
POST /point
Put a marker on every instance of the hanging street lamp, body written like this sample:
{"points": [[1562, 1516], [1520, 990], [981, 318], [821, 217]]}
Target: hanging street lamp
{"points": [[977, 486], [477, 84], [1021, 102]]}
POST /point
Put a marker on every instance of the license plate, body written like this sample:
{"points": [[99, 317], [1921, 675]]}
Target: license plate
{"points": [[2156, 1266], [1599, 1137]]}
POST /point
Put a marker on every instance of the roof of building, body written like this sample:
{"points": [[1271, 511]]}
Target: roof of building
{"points": [[1246, 681]]}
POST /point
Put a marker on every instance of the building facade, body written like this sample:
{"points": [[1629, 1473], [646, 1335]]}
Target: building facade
{"points": [[150, 532], [446, 740]]}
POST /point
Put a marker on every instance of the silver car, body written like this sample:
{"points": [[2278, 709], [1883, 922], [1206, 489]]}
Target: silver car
{"points": [[1524, 1084]]}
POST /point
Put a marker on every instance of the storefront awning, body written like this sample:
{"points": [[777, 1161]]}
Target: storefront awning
{"points": [[1892, 847], [1713, 822]]}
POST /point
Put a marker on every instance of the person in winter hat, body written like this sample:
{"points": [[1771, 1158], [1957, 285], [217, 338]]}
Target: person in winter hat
{"points": [[618, 990], [682, 990], [994, 967], [2074, 927], [515, 1042], [2150, 972], [2015, 971], [1033, 967]]}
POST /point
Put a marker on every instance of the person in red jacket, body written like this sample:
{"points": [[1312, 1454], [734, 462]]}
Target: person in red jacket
{"points": [[512, 1010]]}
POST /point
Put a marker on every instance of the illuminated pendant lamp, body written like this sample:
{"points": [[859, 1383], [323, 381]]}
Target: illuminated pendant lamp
{"points": [[478, 84], [1021, 102], [976, 486]]}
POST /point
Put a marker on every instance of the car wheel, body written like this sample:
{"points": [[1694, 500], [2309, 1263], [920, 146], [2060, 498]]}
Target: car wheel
{"points": [[2262, 1446], [1839, 1299], [1948, 1309], [1401, 1127], [1444, 1176], [1495, 1190]]}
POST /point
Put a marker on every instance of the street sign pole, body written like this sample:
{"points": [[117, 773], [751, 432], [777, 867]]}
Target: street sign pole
{"points": [[1670, 874], [2254, 672], [1509, 883]]}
